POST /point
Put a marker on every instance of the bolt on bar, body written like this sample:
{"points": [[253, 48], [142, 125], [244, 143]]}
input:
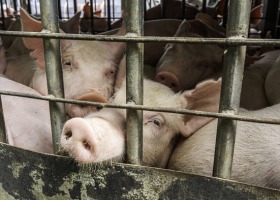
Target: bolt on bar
{"points": [[53, 68], [234, 58], [134, 82]]}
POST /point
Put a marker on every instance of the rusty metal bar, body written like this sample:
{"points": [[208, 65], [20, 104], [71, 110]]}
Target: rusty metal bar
{"points": [[141, 107], [134, 82], [53, 68], [3, 136], [238, 23], [129, 38]]}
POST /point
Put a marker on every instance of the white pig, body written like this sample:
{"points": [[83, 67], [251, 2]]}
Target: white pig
{"points": [[100, 136], [88, 66], [27, 120], [256, 158]]}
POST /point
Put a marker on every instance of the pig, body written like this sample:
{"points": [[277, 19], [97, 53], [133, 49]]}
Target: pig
{"points": [[88, 67], [181, 60], [272, 83], [255, 161], [27, 120], [20, 67], [100, 136]]}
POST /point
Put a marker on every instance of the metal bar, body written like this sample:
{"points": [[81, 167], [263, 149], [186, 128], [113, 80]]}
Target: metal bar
{"points": [[163, 8], [53, 68], [3, 136], [140, 107], [91, 17], [134, 82], [109, 14], [68, 16], [204, 6], [59, 9], [15, 5], [128, 38], [29, 7], [225, 13], [183, 9], [238, 22], [2, 15], [75, 6]]}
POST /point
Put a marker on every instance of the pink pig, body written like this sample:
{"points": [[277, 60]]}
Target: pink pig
{"points": [[88, 67], [100, 136], [27, 120]]}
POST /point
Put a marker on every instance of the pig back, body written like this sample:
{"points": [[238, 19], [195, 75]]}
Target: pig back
{"points": [[256, 154]]}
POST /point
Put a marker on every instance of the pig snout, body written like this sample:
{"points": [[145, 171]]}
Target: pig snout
{"points": [[169, 79], [91, 141], [76, 110]]}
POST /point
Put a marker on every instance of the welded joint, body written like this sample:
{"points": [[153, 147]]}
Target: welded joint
{"points": [[45, 31], [129, 34]]}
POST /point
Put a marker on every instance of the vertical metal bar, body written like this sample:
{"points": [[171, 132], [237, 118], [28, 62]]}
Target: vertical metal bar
{"points": [[75, 6], [183, 9], [238, 22], [67, 2], [29, 7], [204, 6], [163, 8], [225, 13], [134, 82], [145, 10], [3, 136], [3, 15], [53, 68], [109, 14], [15, 5], [91, 17], [59, 9]]}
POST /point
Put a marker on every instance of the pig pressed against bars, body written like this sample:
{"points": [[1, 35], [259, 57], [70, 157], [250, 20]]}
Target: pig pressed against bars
{"points": [[256, 154], [88, 66], [20, 67], [27, 120], [182, 66], [100, 136]]}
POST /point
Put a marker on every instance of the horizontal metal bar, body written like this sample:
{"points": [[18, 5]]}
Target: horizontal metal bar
{"points": [[148, 108], [220, 41]]}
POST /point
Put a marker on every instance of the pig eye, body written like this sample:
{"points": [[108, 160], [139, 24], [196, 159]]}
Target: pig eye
{"points": [[67, 65], [156, 122]]}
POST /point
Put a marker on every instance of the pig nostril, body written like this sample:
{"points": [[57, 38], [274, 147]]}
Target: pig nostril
{"points": [[68, 134], [86, 145], [162, 78]]}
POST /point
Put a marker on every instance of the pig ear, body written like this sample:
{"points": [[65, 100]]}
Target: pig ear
{"points": [[256, 15], [72, 25], [205, 97], [118, 48], [220, 8], [210, 22], [36, 44], [184, 27]]}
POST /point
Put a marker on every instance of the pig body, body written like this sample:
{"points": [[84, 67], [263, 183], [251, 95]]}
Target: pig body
{"points": [[197, 63], [27, 120], [88, 67], [272, 83], [256, 155], [100, 136]]}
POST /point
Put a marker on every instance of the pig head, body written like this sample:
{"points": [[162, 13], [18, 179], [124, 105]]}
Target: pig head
{"points": [[88, 67], [182, 66], [100, 136]]}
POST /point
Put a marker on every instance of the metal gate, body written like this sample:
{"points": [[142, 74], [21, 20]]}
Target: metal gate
{"points": [[31, 175]]}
